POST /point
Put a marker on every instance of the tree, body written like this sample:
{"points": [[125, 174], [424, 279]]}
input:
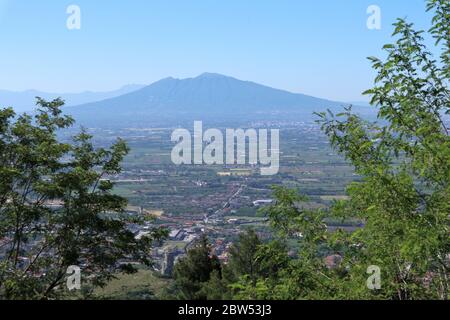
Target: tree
{"points": [[217, 288], [279, 277], [404, 161], [194, 270], [243, 256], [57, 208], [403, 197], [253, 265]]}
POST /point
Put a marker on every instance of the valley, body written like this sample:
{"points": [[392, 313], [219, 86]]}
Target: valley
{"points": [[221, 200]]}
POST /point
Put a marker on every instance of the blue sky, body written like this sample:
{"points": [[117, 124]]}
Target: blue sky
{"points": [[314, 47]]}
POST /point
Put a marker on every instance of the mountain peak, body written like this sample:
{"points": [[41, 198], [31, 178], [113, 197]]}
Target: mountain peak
{"points": [[210, 75], [207, 94]]}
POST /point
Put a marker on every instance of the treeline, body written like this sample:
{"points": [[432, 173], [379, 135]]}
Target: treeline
{"points": [[200, 275]]}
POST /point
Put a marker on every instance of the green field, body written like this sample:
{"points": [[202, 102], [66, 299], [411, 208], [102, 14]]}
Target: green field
{"points": [[144, 284]]}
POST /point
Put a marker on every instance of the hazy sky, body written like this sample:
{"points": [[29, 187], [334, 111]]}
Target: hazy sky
{"points": [[316, 47]]}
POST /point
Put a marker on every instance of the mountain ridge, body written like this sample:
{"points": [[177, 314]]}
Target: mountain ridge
{"points": [[208, 92], [25, 100]]}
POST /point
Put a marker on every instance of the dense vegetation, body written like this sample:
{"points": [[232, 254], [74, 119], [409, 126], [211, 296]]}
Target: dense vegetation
{"points": [[57, 209], [403, 197]]}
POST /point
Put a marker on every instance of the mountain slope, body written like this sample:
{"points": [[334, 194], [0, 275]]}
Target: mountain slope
{"points": [[208, 93]]}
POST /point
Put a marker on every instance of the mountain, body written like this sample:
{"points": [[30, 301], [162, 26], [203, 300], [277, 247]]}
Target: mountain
{"points": [[209, 94], [25, 100]]}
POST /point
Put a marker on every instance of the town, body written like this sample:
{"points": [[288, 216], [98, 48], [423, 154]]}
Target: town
{"points": [[221, 200], [259, 150]]}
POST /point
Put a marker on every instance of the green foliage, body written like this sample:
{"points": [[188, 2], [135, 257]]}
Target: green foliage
{"points": [[142, 285], [200, 275], [243, 256], [281, 277], [404, 195], [57, 208], [192, 272], [216, 288], [405, 162], [252, 266]]}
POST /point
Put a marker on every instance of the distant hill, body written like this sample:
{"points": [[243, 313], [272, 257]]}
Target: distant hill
{"points": [[25, 100], [206, 95]]}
